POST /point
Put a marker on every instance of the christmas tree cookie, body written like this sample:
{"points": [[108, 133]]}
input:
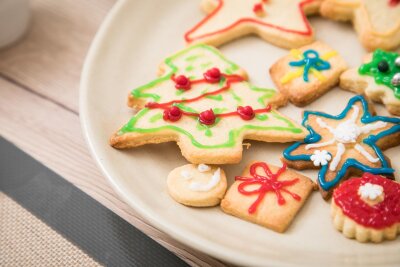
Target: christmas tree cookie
{"points": [[280, 22], [378, 78], [346, 144], [377, 22], [203, 102]]}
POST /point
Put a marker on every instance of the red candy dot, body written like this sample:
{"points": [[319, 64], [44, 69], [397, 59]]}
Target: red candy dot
{"points": [[246, 113], [172, 114], [213, 75], [207, 117], [182, 82]]}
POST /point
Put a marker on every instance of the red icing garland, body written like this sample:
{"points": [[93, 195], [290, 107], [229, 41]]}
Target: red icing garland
{"points": [[220, 4], [268, 183], [378, 216], [208, 117], [229, 80]]}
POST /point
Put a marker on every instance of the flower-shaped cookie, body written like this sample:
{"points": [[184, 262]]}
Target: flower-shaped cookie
{"points": [[353, 139]]}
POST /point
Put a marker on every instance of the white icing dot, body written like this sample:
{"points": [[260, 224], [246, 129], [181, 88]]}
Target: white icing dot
{"points": [[203, 168], [320, 158]]}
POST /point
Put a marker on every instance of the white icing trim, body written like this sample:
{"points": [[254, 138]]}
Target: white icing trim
{"points": [[323, 124], [203, 168], [339, 153], [365, 153], [370, 191], [196, 186], [186, 175], [372, 127], [320, 158], [330, 142]]}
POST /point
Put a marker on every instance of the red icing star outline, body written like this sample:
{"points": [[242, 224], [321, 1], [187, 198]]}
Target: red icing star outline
{"points": [[251, 20], [268, 183]]}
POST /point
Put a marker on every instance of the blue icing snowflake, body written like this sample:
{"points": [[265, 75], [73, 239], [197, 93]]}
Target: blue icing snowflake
{"points": [[342, 137]]}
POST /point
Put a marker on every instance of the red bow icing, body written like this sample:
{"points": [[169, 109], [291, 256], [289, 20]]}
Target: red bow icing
{"points": [[268, 183]]}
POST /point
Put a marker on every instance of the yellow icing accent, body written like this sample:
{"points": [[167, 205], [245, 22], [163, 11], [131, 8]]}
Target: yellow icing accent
{"points": [[329, 55], [292, 75], [295, 74], [296, 53], [318, 74]]}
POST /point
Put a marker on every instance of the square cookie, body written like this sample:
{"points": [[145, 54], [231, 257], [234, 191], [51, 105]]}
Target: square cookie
{"points": [[308, 72], [267, 195]]}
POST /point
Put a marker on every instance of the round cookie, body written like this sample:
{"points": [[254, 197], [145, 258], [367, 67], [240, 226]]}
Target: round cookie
{"points": [[367, 208], [197, 185]]}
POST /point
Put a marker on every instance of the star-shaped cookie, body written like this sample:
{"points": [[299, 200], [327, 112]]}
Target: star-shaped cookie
{"points": [[378, 78], [203, 102], [377, 22], [345, 144], [280, 22]]}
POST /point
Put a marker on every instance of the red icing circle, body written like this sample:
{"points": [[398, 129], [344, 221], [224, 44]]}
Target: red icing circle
{"points": [[378, 216], [212, 75], [172, 114], [182, 82], [207, 117]]}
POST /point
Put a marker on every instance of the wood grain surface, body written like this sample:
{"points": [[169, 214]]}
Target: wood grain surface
{"points": [[39, 89]]}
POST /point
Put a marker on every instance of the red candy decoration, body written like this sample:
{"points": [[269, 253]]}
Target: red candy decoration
{"points": [[182, 82], [172, 114], [394, 2], [207, 117], [246, 113], [268, 183], [213, 75], [258, 8], [378, 216]]}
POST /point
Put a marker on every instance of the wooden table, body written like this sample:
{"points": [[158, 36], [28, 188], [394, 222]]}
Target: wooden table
{"points": [[39, 91]]}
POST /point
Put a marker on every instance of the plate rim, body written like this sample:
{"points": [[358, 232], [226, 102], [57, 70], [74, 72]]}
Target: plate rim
{"points": [[193, 241]]}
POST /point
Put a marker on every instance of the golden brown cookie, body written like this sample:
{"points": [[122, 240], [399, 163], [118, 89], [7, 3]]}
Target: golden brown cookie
{"points": [[267, 195], [377, 22], [282, 23], [378, 78], [367, 208], [308, 72], [197, 185], [203, 102], [346, 144]]}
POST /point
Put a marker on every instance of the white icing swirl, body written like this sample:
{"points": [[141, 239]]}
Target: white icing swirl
{"points": [[197, 186], [203, 168]]}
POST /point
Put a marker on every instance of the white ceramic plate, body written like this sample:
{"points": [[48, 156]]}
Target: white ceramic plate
{"points": [[133, 40]]}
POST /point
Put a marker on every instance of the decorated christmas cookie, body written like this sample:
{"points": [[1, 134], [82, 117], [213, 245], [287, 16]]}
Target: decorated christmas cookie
{"points": [[345, 144], [197, 185], [377, 22], [280, 22], [307, 73], [203, 102], [378, 78], [267, 195], [367, 208]]}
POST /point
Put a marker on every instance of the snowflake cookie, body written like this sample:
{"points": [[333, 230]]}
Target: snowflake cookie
{"points": [[282, 23], [203, 102], [352, 140], [367, 208], [267, 195]]}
